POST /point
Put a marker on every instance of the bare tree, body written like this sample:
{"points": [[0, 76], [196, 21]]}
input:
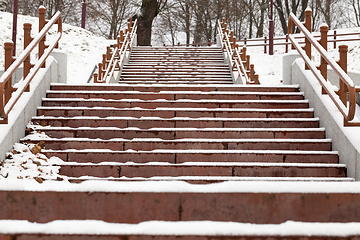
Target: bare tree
{"points": [[108, 16]]}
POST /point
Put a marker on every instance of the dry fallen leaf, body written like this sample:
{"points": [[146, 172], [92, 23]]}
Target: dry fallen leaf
{"points": [[36, 149], [39, 179]]}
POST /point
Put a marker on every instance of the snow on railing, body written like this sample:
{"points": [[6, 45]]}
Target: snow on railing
{"points": [[347, 91], [238, 60], [114, 58], [9, 94]]}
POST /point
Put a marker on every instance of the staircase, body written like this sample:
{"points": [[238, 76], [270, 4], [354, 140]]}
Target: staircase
{"points": [[174, 118]]}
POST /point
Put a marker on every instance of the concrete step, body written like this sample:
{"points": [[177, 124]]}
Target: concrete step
{"points": [[163, 87], [175, 82], [198, 169], [133, 202], [215, 144], [183, 156], [103, 112], [97, 102], [181, 133], [186, 230], [211, 179], [176, 95]]}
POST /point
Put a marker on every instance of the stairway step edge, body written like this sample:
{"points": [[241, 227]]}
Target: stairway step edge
{"points": [[206, 164], [232, 187], [217, 179], [181, 129], [185, 229], [175, 92], [199, 151], [235, 85], [181, 109], [174, 101], [187, 140]]}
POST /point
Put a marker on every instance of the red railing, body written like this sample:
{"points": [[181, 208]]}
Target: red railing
{"points": [[9, 95], [114, 58], [239, 61], [345, 98]]}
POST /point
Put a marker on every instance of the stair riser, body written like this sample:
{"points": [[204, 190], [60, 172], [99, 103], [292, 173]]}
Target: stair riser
{"points": [[177, 171], [162, 237], [103, 113], [139, 207], [123, 157], [176, 96], [148, 146], [171, 135], [153, 105], [150, 88], [176, 83]]}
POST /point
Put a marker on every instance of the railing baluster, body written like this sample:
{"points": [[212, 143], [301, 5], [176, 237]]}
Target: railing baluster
{"points": [[9, 59], [27, 41], [42, 23], [343, 49], [307, 24]]}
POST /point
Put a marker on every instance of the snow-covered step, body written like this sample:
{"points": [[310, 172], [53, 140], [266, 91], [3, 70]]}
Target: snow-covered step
{"points": [[212, 179], [228, 169], [175, 112], [180, 133], [144, 87], [190, 155], [176, 82], [185, 103], [147, 144], [176, 95], [135, 202]]}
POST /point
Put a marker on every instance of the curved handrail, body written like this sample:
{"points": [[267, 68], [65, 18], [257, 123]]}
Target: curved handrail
{"points": [[118, 55], [347, 112], [6, 107], [233, 55]]}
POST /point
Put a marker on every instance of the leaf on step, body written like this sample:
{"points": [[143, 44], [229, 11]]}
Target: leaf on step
{"points": [[36, 149], [39, 179]]}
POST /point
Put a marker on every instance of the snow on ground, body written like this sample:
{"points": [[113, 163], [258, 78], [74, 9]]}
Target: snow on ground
{"points": [[269, 67], [84, 49]]}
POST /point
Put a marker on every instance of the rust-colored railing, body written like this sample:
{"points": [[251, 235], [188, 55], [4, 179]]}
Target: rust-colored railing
{"points": [[345, 98], [10, 95], [238, 59], [114, 58], [284, 41]]}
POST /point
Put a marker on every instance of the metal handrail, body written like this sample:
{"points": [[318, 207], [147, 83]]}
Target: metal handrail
{"points": [[118, 55], [233, 56], [347, 111], [7, 106]]}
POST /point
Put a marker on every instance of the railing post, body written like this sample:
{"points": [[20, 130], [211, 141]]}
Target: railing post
{"points": [[324, 43], [27, 41], [9, 59], [42, 23], [247, 62], [334, 39], [95, 78], [290, 31], [100, 70], [252, 73], [307, 24], [286, 45], [243, 54], [265, 42], [343, 49]]}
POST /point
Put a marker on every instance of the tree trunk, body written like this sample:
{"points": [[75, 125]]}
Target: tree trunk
{"points": [[149, 10]]}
